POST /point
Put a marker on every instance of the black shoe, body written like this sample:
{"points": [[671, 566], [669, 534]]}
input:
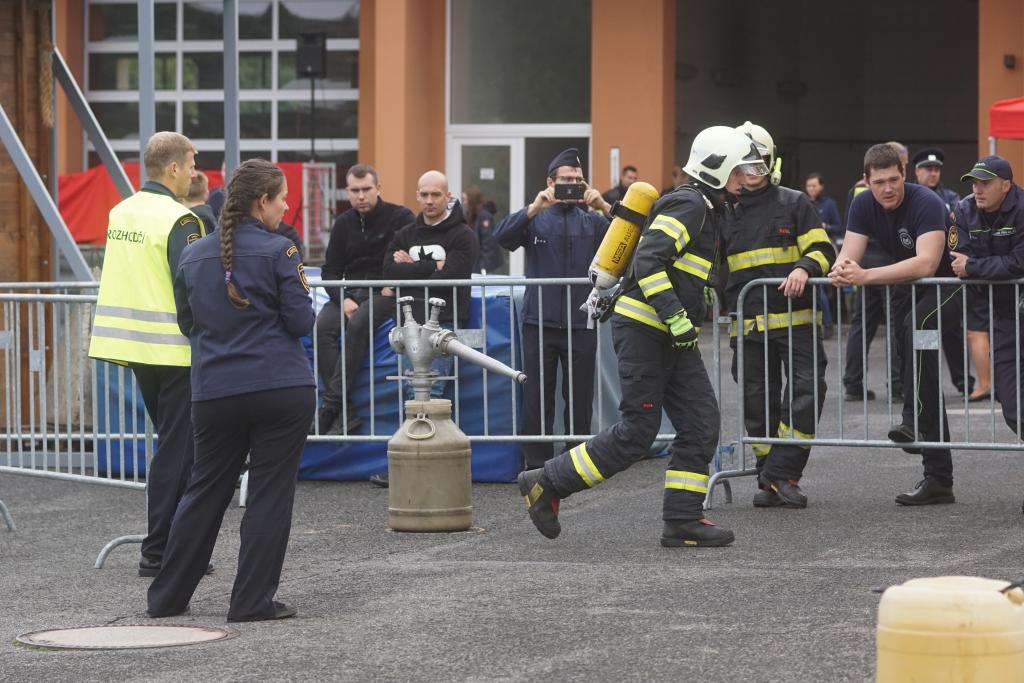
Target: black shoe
{"points": [[766, 498], [905, 434], [980, 397], [694, 533], [927, 492], [380, 480], [327, 416], [281, 611], [541, 502], [150, 568], [787, 490], [859, 395]]}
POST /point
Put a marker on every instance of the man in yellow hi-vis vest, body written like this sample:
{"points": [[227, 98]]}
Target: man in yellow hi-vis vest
{"points": [[136, 321]]}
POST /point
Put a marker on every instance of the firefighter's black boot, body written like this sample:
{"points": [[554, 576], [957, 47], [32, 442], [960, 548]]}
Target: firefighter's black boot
{"points": [[695, 532], [788, 491], [541, 501], [766, 498]]}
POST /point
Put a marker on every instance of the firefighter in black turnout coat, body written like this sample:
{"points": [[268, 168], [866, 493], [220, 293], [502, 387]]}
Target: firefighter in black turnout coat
{"points": [[655, 333], [776, 232]]}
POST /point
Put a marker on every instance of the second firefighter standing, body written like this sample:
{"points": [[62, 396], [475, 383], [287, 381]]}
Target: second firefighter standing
{"points": [[776, 232], [655, 334]]}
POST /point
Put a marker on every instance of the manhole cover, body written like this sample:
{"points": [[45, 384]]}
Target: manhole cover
{"points": [[125, 637]]}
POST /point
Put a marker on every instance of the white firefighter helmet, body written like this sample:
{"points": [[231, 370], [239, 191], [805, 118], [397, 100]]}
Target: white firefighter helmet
{"points": [[762, 140], [717, 150]]}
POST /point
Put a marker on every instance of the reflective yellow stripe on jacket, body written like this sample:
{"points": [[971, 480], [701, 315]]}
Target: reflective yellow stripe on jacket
{"points": [[777, 321], [652, 284], [673, 228], [763, 257], [694, 265], [639, 311]]}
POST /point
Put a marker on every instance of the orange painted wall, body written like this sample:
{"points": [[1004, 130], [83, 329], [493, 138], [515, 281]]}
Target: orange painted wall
{"points": [[1000, 32], [402, 53], [633, 87], [69, 19]]}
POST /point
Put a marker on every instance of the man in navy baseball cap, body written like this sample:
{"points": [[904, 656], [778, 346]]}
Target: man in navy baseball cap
{"points": [[989, 167]]}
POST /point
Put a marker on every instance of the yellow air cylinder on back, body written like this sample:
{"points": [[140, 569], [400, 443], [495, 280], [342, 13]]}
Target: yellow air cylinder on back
{"points": [[951, 628], [618, 244]]}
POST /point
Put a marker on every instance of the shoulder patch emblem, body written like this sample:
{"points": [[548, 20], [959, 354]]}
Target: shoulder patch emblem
{"points": [[189, 220], [192, 237], [302, 276], [292, 251], [953, 238]]}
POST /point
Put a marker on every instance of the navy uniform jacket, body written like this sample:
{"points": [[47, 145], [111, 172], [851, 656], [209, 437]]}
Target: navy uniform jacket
{"points": [[993, 243], [237, 351], [560, 241]]}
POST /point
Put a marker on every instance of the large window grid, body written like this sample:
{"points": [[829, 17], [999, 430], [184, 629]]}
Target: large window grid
{"points": [[274, 108]]}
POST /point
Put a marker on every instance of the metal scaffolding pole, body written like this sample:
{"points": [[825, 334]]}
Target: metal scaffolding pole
{"points": [[232, 157], [47, 207], [147, 82], [91, 126]]}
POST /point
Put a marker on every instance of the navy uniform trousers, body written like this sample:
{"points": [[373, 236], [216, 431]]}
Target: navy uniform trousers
{"points": [[270, 427], [167, 393], [804, 362], [653, 376], [1008, 359], [920, 371]]}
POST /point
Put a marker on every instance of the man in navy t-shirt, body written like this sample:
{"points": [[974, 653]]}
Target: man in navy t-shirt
{"points": [[908, 222]]}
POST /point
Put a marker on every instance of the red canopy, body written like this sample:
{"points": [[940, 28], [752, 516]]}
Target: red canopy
{"points": [[1006, 119], [86, 198]]}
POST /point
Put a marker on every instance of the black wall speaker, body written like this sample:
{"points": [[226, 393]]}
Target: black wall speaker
{"points": [[311, 55]]}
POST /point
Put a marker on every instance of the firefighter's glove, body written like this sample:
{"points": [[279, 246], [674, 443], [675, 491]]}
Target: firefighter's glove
{"points": [[709, 297], [684, 335]]}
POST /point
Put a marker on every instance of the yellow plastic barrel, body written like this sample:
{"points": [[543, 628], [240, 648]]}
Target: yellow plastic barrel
{"points": [[430, 484], [951, 628]]}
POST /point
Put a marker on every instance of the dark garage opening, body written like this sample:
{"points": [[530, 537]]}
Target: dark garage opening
{"points": [[830, 78]]}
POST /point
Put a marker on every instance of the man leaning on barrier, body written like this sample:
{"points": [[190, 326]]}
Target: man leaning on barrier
{"points": [[908, 221], [777, 232], [359, 239], [560, 238], [136, 322], [986, 242], [655, 336]]}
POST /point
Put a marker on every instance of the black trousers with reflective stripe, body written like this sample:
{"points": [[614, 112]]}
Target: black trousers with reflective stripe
{"points": [[801, 373], [1008, 359], [921, 391], [167, 393], [654, 377], [270, 427]]}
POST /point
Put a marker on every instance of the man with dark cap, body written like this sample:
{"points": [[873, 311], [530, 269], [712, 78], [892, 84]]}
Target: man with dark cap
{"points": [[986, 242], [655, 329], [560, 238], [928, 169]]}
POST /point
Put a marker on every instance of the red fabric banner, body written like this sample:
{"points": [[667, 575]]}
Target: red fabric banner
{"points": [[86, 198]]}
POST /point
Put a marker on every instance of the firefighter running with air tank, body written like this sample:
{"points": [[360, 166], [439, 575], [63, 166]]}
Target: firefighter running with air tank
{"points": [[655, 333], [776, 232]]}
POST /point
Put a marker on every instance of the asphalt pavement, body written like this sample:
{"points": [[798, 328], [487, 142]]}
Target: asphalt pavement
{"points": [[793, 599]]}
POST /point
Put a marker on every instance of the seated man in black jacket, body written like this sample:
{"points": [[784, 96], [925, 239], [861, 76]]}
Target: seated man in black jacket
{"points": [[355, 251]]}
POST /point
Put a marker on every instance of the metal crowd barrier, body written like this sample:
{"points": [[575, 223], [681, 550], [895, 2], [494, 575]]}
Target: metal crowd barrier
{"points": [[861, 426], [513, 288]]}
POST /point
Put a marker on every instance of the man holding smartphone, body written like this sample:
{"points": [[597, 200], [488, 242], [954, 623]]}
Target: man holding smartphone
{"points": [[560, 235]]}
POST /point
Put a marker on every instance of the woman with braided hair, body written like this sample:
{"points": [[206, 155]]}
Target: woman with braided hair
{"points": [[243, 302]]}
